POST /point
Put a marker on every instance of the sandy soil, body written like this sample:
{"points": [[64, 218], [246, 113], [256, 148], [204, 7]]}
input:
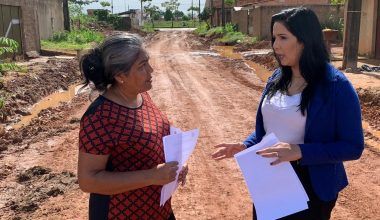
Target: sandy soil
{"points": [[217, 95]]}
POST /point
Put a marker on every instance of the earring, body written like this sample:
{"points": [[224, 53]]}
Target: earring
{"points": [[122, 82]]}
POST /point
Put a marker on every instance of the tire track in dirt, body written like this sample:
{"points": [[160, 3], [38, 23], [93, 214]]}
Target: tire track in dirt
{"points": [[202, 100]]}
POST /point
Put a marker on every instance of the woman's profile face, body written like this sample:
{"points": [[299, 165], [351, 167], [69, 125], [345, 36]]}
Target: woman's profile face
{"points": [[286, 46], [139, 78]]}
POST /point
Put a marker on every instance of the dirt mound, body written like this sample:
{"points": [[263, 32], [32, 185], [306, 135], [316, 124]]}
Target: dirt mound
{"points": [[267, 60], [370, 102], [25, 89], [257, 45], [50, 122], [199, 43], [35, 186]]}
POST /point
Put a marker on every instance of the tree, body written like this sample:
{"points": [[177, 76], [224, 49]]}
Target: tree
{"points": [[168, 16], [205, 15], [142, 11], [76, 6], [178, 14], [105, 4], [153, 11], [192, 9], [171, 5]]}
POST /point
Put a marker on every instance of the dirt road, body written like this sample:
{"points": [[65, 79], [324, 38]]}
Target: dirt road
{"points": [[216, 95]]}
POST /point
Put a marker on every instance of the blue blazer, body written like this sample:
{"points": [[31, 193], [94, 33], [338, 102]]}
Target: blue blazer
{"points": [[333, 132]]}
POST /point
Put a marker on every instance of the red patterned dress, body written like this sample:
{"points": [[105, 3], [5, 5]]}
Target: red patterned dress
{"points": [[133, 139]]}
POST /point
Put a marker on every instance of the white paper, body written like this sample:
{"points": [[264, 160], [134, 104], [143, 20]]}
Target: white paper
{"points": [[178, 146], [276, 190]]}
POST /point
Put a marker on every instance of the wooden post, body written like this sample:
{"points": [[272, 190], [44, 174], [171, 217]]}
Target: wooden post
{"points": [[66, 15], [351, 34], [223, 15], [212, 12]]}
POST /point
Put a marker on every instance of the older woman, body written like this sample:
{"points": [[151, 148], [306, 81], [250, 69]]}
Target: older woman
{"points": [[121, 158]]}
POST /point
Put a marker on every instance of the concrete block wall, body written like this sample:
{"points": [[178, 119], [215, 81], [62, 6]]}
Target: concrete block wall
{"points": [[50, 17], [29, 23], [39, 19], [263, 15], [367, 36]]}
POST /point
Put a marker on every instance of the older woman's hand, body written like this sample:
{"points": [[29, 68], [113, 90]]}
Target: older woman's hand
{"points": [[182, 175], [282, 151]]}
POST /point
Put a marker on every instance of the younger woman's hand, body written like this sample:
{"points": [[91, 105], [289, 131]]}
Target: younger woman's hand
{"points": [[227, 150], [282, 151]]}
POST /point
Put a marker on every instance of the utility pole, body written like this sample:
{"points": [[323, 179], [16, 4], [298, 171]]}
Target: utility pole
{"points": [[351, 34], [212, 12], [223, 15], [192, 12], [199, 10], [112, 6], [66, 15]]}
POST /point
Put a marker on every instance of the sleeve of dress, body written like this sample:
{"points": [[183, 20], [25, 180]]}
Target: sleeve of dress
{"points": [[96, 135]]}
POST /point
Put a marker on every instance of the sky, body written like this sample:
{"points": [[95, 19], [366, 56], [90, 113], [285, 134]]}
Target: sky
{"points": [[122, 5]]}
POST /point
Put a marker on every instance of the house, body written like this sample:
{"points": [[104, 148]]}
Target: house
{"points": [[369, 37], [253, 16], [131, 18], [30, 21]]}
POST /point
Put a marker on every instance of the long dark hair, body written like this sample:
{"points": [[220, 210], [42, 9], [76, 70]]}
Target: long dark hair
{"points": [[304, 25]]}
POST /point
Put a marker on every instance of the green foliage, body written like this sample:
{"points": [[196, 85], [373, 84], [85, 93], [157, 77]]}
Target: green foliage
{"points": [[185, 18], [232, 37], [115, 20], [337, 2], [178, 14], [334, 23], [202, 30], [205, 15], [168, 16], [8, 46], [74, 40], [219, 31], [105, 4], [101, 15], [229, 2], [77, 36], [230, 28]]}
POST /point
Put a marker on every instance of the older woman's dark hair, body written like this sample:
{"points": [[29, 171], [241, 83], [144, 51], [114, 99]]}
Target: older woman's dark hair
{"points": [[115, 55], [304, 25]]}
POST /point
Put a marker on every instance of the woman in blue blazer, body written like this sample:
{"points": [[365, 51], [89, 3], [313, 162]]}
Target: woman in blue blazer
{"points": [[312, 108]]}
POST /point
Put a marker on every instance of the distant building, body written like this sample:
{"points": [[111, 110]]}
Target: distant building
{"points": [[133, 16], [31, 21]]}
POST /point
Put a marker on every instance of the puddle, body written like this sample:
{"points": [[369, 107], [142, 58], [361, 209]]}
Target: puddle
{"points": [[50, 101], [256, 52], [259, 70], [204, 53], [228, 52]]}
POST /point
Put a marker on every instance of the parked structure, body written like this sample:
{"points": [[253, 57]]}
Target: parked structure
{"points": [[37, 20]]}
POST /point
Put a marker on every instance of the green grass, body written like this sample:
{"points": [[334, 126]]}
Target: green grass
{"points": [[72, 41]]}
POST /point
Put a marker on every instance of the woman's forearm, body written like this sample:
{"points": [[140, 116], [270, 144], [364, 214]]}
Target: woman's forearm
{"points": [[109, 183]]}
